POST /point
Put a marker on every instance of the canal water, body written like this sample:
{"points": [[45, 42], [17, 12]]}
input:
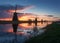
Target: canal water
{"points": [[24, 32]]}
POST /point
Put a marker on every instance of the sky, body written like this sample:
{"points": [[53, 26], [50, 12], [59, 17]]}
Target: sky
{"points": [[41, 7]]}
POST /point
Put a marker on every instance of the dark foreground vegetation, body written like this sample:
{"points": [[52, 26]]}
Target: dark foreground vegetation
{"points": [[51, 35]]}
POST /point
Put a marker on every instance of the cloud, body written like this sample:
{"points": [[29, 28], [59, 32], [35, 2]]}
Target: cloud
{"points": [[10, 7], [49, 15], [4, 9]]}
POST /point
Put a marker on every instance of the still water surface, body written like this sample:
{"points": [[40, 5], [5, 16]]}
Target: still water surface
{"points": [[24, 32]]}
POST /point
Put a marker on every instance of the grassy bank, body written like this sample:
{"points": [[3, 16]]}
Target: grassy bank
{"points": [[51, 35]]}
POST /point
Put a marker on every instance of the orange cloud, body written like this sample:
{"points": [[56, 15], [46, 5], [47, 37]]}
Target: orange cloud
{"points": [[28, 7], [6, 19], [23, 9]]}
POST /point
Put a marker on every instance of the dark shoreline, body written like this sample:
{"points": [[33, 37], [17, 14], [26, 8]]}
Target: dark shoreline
{"points": [[51, 35]]}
